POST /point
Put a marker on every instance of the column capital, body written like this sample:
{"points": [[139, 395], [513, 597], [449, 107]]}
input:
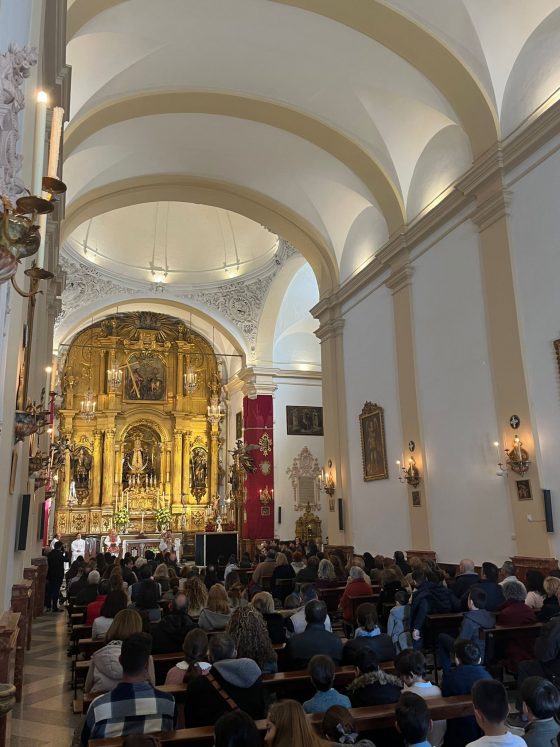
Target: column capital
{"points": [[257, 381], [400, 278], [492, 208], [330, 328]]}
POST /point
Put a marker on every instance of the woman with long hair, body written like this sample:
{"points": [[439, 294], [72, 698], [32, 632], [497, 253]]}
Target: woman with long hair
{"points": [[216, 614], [339, 727], [264, 603], [161, 576], [535, 590], [283, 572], [105, 670], [339, 571], [248, 630], [235, 590], [326, 576], [287, 726], [115, 602], [236, 729], [197, 596]]}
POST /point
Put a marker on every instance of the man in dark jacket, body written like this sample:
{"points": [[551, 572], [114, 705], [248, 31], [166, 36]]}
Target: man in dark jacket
{"points": [[231, 683], [489, 582], [169, 634], [55, 577], [428, 598], [465, 578], [301, 648], [89, 594]]}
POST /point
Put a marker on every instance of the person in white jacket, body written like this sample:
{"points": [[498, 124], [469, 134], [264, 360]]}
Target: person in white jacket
{"points": [[105, 670], [78, 547]]}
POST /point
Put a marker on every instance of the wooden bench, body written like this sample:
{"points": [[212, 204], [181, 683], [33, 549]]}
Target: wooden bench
{"points": [[331, 597], [355, 602], [497, 638], [367, 719], [441, 622]]}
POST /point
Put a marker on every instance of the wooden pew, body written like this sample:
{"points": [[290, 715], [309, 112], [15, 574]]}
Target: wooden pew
{"points": [[9, 628], [497, 638], [21, 602], [355, 602], [367, 719], [331, 597], [42, 567], [441, 622]]}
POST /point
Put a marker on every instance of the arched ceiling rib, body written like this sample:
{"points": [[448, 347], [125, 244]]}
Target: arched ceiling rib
{"points": [[277, 217], [350, 153]]}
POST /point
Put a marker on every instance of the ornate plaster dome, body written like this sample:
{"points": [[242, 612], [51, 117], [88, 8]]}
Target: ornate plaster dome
{"points": [[175, 243]]}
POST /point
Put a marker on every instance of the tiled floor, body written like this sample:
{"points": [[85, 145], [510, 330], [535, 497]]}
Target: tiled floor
{"points": [[44, 718]]}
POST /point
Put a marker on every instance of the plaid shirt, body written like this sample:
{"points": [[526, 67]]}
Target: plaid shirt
{"points": [[129, 709]]}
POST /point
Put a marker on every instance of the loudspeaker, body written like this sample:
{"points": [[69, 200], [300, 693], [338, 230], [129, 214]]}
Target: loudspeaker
{"points": [[548, 511], [340, 514], [279, 514], [21, 530], [208, 547], [41, 522]]}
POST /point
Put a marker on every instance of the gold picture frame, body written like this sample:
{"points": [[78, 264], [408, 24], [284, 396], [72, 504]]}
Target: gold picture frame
{"points": [[372, 434]]}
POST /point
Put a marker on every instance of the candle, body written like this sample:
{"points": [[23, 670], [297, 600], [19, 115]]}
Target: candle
{"points": [[39, 143], [54, 145], [497, 445]]}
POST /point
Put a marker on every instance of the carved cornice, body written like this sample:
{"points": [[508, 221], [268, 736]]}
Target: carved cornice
{"points": [[330, 328], [400, 278], [494, 208], [257, 381]]}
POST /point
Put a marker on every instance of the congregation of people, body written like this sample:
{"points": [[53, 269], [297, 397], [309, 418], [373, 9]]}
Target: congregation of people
{"points": [[243, 619]]}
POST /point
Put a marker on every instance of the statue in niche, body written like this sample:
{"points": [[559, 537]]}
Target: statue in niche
{"points": [[141, 457], [199, 468], [81, 467], [136, 460]]}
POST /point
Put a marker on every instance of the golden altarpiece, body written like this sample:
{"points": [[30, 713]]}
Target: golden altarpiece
{"points": [[145, 440]]}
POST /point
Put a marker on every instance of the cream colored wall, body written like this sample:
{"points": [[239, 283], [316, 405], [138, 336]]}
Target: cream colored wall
{"points": [[380, 517], [535, 249]]}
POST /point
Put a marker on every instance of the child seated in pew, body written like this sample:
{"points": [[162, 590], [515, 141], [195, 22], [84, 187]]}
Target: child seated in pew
{"points": [[474, 620], [459, 681], [541, 703], [398, 625], [195, 649], [372, 686], [491, 709], [412, 720], [321, 670], [411, 668]]}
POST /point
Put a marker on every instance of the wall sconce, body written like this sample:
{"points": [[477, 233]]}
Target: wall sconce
{"points": [[410, 474], [517, 458], [326, 483]]}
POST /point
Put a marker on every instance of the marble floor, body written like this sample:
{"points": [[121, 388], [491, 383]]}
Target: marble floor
{"points": [[44, 718]]}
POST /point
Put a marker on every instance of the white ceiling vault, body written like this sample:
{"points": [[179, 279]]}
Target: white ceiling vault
{"points": [[328, 122]]}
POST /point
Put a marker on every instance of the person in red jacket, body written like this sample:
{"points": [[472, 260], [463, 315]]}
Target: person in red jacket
{"points": [[93, 609], [512, 613], [357, 586]]}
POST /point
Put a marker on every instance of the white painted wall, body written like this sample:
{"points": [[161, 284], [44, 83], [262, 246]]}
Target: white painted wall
{"points": [[535, 245], [304, 391], [468, 504], [379, 509]]}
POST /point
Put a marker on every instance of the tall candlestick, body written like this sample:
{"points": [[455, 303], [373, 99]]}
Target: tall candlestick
{"points": [[54, 146], [48, 371], [39, 143]]}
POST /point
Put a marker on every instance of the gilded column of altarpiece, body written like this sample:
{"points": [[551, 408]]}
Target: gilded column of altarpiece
{"points": [[149, 444]]}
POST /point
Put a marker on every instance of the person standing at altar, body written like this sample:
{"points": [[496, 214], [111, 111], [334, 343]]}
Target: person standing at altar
{"points": [[78, 547], [112, 543], [166, 543]]}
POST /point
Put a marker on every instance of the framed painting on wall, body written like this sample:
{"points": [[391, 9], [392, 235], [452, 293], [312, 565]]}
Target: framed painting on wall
{"points": [[238, 425], [524, 490], [304, 421], [372, 433]]}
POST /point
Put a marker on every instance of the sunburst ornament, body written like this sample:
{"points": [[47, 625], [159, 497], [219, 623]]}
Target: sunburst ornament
{"points": [[265, 468]]}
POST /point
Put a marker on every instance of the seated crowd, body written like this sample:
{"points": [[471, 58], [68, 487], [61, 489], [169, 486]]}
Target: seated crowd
{"points": [[236, 624]]}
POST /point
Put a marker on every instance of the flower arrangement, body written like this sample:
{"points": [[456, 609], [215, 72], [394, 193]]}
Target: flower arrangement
{"points": [[121, 518], [163, 518]]}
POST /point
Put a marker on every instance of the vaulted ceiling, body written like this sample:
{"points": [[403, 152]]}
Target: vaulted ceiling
{"points": [[329, 122]]}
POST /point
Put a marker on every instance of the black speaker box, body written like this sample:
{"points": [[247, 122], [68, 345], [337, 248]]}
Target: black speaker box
{"points": [[340, 514], [23, 521], [548, 511], [279, 514]]}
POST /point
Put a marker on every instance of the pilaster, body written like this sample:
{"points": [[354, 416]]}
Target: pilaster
{"points": [[400, 284]]}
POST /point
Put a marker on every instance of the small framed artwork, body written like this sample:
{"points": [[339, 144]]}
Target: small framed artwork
{"points": [[239, 425], [265, 510], [416, 499], [304, 421], [524, 490], [372, 432]]}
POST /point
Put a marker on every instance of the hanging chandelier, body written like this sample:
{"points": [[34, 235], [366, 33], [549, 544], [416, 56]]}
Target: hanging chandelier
{"points": [[114, 376], [190, 378], [87, 406]]}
